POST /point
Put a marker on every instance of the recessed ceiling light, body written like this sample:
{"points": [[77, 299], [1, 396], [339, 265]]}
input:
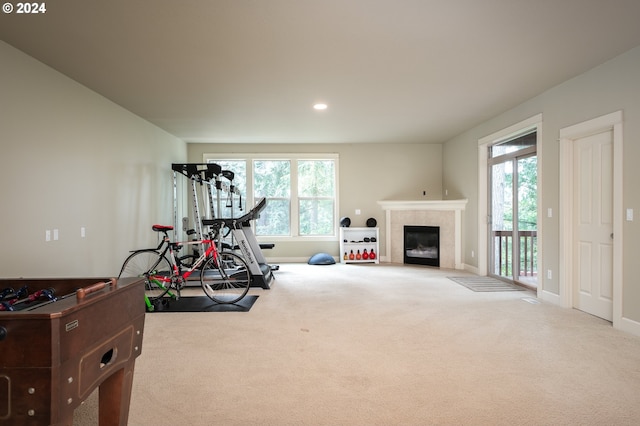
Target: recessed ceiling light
{"points": [[320, 107]]}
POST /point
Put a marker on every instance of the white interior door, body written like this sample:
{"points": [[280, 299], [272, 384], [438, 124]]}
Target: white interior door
{"points": [[593, 225]]}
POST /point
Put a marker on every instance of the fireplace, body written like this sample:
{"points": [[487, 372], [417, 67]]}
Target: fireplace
{"points": [[422, 245], [446, 214]]}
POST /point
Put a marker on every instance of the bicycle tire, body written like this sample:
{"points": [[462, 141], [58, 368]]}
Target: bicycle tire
{"points": [[225, 278], [147, 263]]}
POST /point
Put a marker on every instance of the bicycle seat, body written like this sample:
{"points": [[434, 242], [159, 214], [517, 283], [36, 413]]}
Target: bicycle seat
{"points": [[162, 228]]}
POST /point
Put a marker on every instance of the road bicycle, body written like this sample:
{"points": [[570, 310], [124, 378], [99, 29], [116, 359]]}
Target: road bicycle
{"points": [[224, 276]]}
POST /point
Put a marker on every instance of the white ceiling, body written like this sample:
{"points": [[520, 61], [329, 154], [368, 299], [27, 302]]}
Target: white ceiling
{"points": [[390, 70]]}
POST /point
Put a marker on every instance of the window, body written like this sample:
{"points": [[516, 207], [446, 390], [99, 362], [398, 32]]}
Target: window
{"points": [[301, 192], [272, 180], [316, 197]]}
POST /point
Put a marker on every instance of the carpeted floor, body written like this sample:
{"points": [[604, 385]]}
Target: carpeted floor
{"points": [[383, 345], [477, 283]]}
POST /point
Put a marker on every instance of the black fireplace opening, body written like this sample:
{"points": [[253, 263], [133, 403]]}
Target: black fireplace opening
{"points": [[422, 245]]}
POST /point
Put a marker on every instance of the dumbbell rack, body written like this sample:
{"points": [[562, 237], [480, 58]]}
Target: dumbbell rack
{"points": [[359, 239]]}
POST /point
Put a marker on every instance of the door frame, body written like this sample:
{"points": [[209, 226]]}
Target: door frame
{"points": [[516, 255], [568, 136], [523, 127]]}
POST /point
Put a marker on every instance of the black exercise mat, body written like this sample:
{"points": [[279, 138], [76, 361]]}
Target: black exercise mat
{"points": [[204, 304]]}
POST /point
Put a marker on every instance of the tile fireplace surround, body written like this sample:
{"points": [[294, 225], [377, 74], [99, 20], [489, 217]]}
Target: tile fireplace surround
{"points": [[447, 214]]}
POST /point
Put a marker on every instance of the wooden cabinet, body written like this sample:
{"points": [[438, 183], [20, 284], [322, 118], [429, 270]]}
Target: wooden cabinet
{"points": [[362, 243]]}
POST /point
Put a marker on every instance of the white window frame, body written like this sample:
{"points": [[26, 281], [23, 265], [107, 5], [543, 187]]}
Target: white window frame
{"points": [[293, 158]]}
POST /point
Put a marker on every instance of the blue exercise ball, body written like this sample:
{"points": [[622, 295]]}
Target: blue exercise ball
{"points": [[321, 259]]}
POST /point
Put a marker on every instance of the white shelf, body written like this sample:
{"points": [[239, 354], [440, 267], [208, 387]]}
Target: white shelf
{"points": [[355, 241]]}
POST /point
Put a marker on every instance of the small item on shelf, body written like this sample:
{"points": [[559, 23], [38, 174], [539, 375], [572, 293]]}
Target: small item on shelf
{"points": [[358, 256], [365, 255], [345, 257], [345, 222], [352, 256], [372, 255]]}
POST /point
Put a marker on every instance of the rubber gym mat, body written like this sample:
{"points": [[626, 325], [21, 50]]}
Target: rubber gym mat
{"points": [[204, 304]]}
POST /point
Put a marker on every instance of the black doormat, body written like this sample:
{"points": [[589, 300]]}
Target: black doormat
{"points": [[204, 304], [486, 284]]}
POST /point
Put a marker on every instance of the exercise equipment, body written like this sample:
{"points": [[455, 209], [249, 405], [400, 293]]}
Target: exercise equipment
{"points": [[321, 259], [209, 182], [245, 240], [203, 177]]}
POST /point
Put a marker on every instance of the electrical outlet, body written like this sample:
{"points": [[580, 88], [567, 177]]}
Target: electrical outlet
{"points": [[549, 275], [358, 211], [47, 235]]}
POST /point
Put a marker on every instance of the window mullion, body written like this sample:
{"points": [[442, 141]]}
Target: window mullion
{"points": [[294, 202], [250, 201]]}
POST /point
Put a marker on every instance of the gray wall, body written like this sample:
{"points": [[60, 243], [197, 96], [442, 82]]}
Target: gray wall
{"points": [[610, 87], [368, 173], [71, 158]]}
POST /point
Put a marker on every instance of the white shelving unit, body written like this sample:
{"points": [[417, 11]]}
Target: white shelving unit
{"points": [[355, 241]]}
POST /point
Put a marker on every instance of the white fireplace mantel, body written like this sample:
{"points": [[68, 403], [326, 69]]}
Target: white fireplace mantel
{"points": [[455, 206], [423, 204]]}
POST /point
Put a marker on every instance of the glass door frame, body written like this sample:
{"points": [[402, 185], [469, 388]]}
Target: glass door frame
{"points": [[515, 250]]}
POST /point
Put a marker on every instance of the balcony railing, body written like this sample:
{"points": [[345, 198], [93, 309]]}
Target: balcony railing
{"points": [[503, 245]]}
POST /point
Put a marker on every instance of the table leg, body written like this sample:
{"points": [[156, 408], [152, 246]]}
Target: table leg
{"points": [[114, 398]]}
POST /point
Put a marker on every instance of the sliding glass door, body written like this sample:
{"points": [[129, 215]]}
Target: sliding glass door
{"points": [[513, 210]]}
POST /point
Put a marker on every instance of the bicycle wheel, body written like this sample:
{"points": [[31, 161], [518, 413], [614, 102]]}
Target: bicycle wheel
{"points": [[225, 278], [148, 263]]}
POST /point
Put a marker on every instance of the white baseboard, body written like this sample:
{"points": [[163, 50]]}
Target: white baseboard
{"points": [[547, 296], [630, 326], [471, 268]]}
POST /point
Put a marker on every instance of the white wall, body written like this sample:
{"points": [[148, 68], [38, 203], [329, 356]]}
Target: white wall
{"points": [[71, 158]]}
